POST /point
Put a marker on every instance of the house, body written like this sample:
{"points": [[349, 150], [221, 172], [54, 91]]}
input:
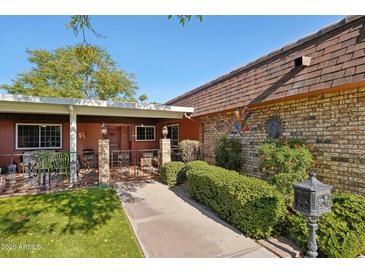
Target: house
{"points": [[312, 89], [30, 123]]}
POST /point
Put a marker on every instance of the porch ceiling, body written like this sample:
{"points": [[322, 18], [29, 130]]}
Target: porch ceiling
{"points": [[53, 105]]}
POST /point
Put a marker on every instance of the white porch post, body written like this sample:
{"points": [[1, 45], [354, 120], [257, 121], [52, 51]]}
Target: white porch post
{"points": [[73, 146]]}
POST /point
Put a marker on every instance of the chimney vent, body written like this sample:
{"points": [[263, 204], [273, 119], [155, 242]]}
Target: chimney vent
{"points": [[302, 61]]}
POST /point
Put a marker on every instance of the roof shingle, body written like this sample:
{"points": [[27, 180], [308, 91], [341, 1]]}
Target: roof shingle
{"points": [[338, 58]]}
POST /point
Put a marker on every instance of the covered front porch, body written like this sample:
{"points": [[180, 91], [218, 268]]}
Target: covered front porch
{"points": [[48, 143]]}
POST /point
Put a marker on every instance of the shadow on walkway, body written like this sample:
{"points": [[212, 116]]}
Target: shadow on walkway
{"points": [[182, 192]]}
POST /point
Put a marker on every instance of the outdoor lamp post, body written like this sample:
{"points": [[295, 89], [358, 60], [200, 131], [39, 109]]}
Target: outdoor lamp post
{"points": [[165, 131], [103, 130], [312, 198]]}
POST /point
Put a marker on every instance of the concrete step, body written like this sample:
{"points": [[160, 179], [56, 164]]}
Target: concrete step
{"points": [[282, 247]]}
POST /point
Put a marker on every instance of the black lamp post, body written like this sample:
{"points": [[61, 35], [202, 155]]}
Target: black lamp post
{"points": [[165, 131], [312, 198], [104, 131]]}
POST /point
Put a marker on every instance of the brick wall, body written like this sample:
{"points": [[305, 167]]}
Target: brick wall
{"points": [[334, 123]]}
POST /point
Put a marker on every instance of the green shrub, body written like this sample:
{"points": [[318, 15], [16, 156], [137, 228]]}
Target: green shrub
{"points": [[189, 150], [170, 172], [287, 142], [181, 178], [228, 153], [250, 204], [197, 164], [341, 233], [284, 164]]}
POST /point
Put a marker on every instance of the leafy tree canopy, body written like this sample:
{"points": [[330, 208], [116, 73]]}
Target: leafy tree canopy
{"points": [[142, 98], [183, 19], [81, 23], [81, 71]]}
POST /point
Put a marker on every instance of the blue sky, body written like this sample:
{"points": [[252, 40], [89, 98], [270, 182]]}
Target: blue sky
{"points": [[168, 59]]}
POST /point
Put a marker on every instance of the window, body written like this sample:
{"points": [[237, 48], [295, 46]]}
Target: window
{"points": [[173, 134], [145, 133], [37, 136]]}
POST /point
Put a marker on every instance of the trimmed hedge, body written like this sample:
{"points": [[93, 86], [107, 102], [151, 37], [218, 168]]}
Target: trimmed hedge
{"points": [[258, 209], [182, 175], [250, 204], [341, 233], [170, 173], [197, 164]]}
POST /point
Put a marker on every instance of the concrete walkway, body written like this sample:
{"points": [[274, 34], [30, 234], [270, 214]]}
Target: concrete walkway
{"points": [[169, 224]]}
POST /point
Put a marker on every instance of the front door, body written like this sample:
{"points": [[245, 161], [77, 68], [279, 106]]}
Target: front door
{"points": [[114, 138]]}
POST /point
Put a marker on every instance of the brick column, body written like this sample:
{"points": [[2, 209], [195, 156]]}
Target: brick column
{"points": [[104, 161], [165, 148]]}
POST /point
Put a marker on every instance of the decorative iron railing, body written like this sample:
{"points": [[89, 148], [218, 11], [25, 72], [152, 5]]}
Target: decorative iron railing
{"points": [[45, 170], [122, 160], [41, 170], [136, 162], [148, 161], [175, 154]]}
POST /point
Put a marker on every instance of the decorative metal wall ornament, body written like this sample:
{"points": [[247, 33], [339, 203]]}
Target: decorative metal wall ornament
{"points": [[312, 198], [274, 127], [241, 120]]}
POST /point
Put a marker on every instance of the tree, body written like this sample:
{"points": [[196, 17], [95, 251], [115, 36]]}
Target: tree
{"points": [[142, 98], [81, 71], [183, 19], [79, 23]]}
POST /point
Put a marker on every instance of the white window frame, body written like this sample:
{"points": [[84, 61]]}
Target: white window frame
{"points": [[178, 133], [136, 135], [40, 126]]}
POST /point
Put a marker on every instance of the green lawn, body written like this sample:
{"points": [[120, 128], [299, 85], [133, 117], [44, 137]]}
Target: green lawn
{"points": [[79, 223]]}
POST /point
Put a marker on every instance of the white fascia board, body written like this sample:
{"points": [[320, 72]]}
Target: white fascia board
{"points": [[143, 113], [21, 107], [36, 104]]}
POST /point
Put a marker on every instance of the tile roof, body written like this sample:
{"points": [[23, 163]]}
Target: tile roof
{"points": [[337, 56]]}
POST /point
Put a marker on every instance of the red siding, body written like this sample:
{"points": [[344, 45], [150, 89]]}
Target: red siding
{"points": [[188, 129], [7, 141], [92, 135]]}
